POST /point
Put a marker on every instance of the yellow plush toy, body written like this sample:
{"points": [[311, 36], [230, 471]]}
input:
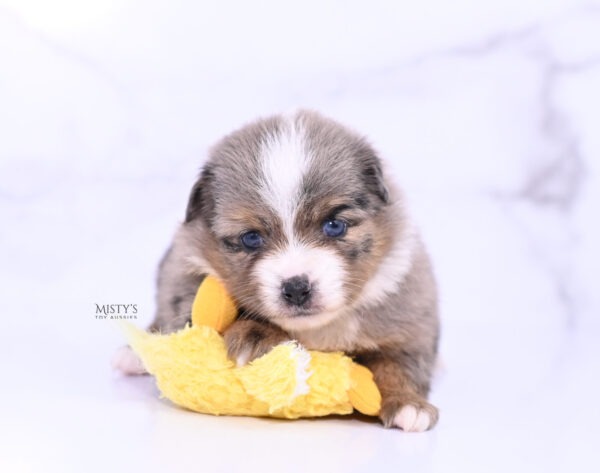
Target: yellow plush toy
{"points": [[192, 370]]}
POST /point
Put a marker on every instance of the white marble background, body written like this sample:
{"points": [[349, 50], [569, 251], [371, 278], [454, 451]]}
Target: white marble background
{"points": [[489, 113]]}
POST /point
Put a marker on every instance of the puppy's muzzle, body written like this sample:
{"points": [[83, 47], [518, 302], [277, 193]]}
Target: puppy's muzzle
{"points": [[296, 291]]}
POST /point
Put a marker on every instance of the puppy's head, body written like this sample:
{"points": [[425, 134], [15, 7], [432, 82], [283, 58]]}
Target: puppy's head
{"points": [[293, 214]]}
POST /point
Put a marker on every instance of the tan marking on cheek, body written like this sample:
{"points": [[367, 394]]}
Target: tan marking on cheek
{"points": [[236, 272], [362, 268], [218, 259]]}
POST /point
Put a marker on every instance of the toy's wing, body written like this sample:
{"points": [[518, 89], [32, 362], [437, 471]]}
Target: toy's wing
{"points": [[278, 377], [192, 369]]}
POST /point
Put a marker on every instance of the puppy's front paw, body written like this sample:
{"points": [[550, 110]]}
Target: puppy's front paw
{"points": [[416, 415], [127, 362], [247, 340]]}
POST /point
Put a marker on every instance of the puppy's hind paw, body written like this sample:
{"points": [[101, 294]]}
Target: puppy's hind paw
{"points": [[127, 362]]}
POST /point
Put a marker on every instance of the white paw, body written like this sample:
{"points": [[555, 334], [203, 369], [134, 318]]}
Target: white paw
{"points": [[412, 419], [127, 362]]}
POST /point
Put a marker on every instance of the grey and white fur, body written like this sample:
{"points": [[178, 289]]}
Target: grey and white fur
{"points": [[369, 291]]}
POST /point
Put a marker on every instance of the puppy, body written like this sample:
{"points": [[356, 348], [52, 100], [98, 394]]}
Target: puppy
{"points": [[295, 216]]}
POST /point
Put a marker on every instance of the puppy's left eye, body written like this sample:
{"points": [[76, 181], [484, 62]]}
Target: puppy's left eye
{"points": [[334, 228], [252, 240]]}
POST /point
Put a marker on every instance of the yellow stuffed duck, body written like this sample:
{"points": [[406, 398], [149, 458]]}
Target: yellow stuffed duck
{"points": [[192, 369]]}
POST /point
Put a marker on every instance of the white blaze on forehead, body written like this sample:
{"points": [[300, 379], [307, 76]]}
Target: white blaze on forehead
{"points": [[285, 161]]}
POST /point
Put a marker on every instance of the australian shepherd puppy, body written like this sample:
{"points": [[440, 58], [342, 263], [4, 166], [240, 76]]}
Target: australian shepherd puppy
{"points": [[296, 217]]}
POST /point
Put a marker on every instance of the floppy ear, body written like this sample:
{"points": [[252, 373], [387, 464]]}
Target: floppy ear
{"points": [[201, 204], [373, 178]]}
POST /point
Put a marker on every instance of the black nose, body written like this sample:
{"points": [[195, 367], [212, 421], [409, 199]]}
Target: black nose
{"points": [[296, 290]]}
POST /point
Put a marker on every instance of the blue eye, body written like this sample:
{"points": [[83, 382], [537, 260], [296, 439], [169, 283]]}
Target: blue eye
{"points": [[252, 240], [334, 228]]}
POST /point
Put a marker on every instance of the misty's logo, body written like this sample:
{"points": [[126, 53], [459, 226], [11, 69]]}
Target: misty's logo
{"points": [[116, 311]]}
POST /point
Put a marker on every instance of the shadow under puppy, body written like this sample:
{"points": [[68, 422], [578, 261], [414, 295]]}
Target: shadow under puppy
{"points": [[295, 216]]}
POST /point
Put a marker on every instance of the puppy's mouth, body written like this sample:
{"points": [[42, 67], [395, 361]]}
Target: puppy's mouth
{"points": [[313, 309], [301, 319], [301, 311], [280, 310]]}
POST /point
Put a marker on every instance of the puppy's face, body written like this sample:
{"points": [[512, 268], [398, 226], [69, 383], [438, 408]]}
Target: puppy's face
{"points": [[291, 213]]}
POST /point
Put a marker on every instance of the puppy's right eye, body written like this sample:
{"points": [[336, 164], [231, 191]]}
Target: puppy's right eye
{"points": [[252, 240]]}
